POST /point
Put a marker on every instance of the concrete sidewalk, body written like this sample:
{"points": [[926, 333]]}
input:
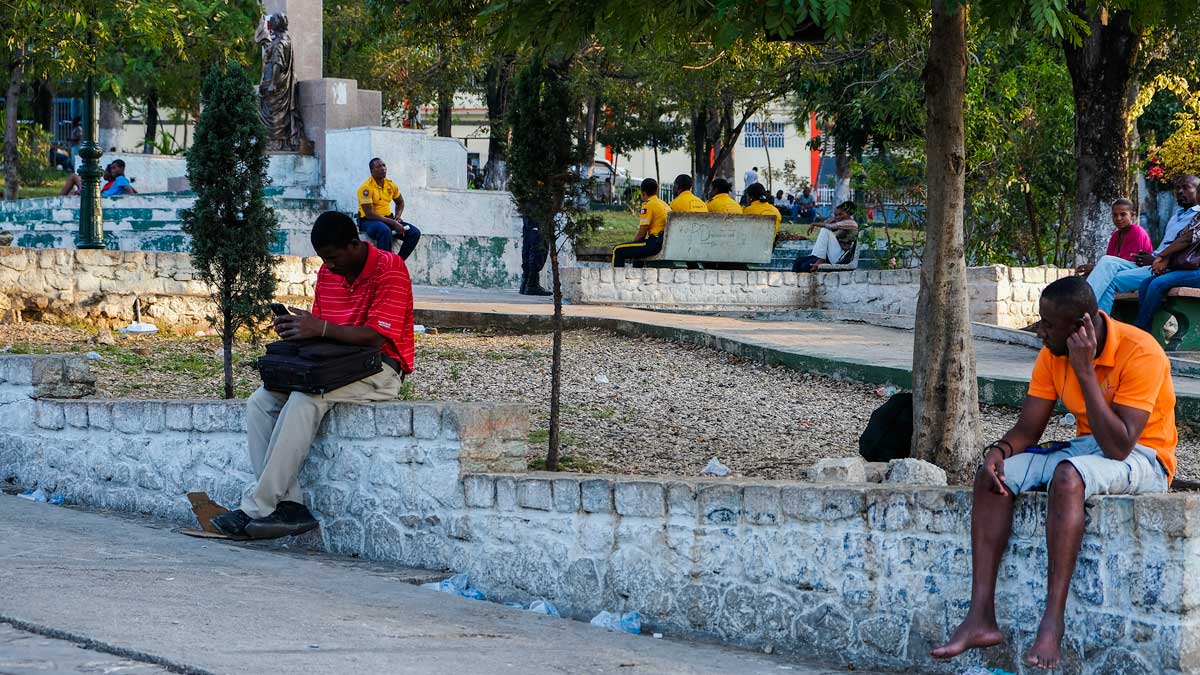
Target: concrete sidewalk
{"points": [[202, 606], [854, 351]]}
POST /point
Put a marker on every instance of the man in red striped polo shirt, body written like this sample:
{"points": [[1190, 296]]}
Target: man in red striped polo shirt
{"points": [[363, 297]]}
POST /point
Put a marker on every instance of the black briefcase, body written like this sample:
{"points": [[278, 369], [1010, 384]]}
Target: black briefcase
{"points": [[316, 365]]}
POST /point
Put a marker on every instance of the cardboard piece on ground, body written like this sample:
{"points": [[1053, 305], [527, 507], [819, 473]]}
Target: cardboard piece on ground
{"points": [[201, 534], [206, 509]]}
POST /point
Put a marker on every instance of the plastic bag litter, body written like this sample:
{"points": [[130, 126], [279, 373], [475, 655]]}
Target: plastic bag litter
{"points": [[715, 468], [600, 379], [93, 356], [38, 495], [542, 607], [629, 622], [419, 329], [980, 670], [457, 585], [888, 391]]}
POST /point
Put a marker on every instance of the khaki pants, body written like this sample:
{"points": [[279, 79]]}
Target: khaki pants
{"points": [[280, 430]]}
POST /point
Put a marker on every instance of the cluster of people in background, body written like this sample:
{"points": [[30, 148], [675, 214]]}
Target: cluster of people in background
{"points": [[836, 246], [113, 183], [1129, 264]]}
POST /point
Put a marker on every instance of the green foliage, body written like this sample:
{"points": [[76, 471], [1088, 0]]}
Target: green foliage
{"points": [[231, 226], [544, 156], [1020, 181], [33, 153]]}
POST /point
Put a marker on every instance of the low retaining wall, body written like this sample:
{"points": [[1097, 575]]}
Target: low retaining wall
{"points": [[1003, 296], [100, 286], [859, 573]]}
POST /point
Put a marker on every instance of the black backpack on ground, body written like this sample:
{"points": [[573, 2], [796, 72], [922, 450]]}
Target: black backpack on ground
{"points": [[316, 365], [889, 432]]}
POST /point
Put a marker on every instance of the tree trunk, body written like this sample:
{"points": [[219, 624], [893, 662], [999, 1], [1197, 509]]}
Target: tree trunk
{"points": [[588, 141], [841, 189], [552, 453], [767, 149], [445, 112], [1102, 79], [227, 330], [657, 171], [945, 391], [151, 123], [112, 120], [498, 89], [701, 145], [43, 105], [12, 97]]}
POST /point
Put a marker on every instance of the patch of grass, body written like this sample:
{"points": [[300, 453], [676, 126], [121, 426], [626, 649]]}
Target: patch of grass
{"points": [[193, 364], [604, 413], [618, 226], [408, 390], [455, 372], [452, 354], [539, 437]]}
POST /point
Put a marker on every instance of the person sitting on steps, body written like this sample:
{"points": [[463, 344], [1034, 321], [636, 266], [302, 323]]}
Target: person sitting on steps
{"points": [[652, 221], [363, 297], [377, 220], [1116, 381], [836, 244]]}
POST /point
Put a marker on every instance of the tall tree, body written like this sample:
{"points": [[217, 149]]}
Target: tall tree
{"points": [[231, 226], [544, 183], [945, 389]]}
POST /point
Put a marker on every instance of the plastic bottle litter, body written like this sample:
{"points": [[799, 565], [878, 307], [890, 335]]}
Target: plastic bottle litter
{"points": [[600, 379], [57, 500], [715, 468], [93, 356], [457, 585], [629, 622], [1067, 420], [542, 607], [38, 495]]}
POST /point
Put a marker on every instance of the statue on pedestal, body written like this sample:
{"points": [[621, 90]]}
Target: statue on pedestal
{"points": [[279, 107]]}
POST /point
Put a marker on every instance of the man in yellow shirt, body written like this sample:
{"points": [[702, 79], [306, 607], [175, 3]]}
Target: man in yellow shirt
{"points": [[1116, 381], [377, 220], [760, 204], [684, 200], [721, 202], [651, 223]]}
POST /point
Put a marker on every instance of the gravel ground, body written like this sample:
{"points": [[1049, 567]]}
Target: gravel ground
{"points": [[629, 405]]}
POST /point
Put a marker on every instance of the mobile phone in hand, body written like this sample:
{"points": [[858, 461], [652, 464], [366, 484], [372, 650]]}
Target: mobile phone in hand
{"points": [[279, 309]]}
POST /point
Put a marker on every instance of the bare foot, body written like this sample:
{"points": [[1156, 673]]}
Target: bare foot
{"points": [[1045, 651], [970, 634]]}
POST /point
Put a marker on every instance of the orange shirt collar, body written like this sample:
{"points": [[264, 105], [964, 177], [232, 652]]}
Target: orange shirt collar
{"points": [[1108, 357]]}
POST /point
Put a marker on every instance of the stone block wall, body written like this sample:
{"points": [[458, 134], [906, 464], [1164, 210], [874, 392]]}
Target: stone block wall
{"points": [[382, 477], [1003, 296], [868, 574], [100, 286], [703, 290]]}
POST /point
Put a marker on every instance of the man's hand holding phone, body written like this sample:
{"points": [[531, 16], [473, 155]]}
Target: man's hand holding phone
{"points": [[295, 324]]}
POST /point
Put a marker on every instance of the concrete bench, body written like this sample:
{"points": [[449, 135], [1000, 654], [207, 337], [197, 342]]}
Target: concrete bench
{"points": [[1181, 303], [716, 237]]}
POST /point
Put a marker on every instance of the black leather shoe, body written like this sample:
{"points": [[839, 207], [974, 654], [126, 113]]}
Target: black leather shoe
{"points": [[288, 520], [232, 524]]}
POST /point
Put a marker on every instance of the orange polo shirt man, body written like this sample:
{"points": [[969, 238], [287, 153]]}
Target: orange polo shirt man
{"points": [[1116, 381]]}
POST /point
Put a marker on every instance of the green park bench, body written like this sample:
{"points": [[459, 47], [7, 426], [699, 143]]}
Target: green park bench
{"points": [[1181, 303]]}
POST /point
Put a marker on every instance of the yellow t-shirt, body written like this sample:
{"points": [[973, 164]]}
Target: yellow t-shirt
{"points": [[723, 203], [380, 196], [654, 215], [688, 203], [1133, 371], [757, 208]]}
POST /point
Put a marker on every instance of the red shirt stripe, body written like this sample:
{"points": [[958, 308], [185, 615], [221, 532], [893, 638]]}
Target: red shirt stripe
{"points": [[381, 297]]}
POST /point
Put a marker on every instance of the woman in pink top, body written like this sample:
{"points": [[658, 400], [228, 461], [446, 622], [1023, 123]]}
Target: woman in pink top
{"points": [[1127, 241]]}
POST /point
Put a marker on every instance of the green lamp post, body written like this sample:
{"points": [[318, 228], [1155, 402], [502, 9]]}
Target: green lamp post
{"points": [[91, 220]]}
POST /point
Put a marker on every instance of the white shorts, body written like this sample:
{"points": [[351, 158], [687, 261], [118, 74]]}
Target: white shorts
{"points": [[1139, 473]]}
